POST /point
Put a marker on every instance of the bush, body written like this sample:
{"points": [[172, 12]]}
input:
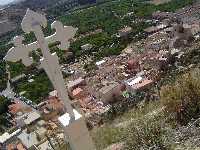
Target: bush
{"points": [[139, 128], [147, 134], [37, 90], [182, 99], [4, 103], [90, 66], [3, 76], [106, 135]]}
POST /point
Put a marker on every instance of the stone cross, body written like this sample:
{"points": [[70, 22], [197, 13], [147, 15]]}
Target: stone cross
{"points": [[34, 22], [73, 123]]}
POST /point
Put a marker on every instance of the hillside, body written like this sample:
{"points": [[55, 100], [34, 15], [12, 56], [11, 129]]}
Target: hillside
{"points": [[13, 13], [140, 65]]}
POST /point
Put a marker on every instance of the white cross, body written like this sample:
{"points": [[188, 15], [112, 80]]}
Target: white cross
{"points": [[33, 22]]}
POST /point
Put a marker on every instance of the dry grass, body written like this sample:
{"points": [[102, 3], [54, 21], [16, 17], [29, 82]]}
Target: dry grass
{"points": [[109, 134], [182, 98]]}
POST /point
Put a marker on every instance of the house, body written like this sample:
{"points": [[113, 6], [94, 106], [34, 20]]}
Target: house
{"points": [[8, 92], [151, 29], [182, 31], [85, 102], [28, 139], [78, 93], [181, 36], [195, 28], [41, 131], [133, 66], [18, 146], [53, 104], [138, 83], [163, 15], [45, 146], [108, 73], [74, 84], [18, 107], [7, 136], [109, 92], [27, 118], [154, 29], [51, 108]]}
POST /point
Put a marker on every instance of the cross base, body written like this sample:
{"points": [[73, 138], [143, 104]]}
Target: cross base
{"points": [[76, 132]]}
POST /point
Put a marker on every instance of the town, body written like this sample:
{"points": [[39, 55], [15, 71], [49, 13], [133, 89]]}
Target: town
{"points": [[102, 85]]}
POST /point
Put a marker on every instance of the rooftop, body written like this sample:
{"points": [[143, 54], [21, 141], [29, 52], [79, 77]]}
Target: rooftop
{"points": [[6, 136], [28, 139], [108, 87], [29, 117], [45, 146], [74, 83], [134, 81], [138, 82], [18, 106]]}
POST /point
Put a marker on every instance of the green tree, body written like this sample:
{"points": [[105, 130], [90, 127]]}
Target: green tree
{"points": [[4, 103]]}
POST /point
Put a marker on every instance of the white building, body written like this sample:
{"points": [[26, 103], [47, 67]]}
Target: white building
{"points": [[6, 136], [28, 139], [137, 83]]}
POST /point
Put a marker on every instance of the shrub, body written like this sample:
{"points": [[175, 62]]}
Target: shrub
{"points": [[146, 134], [4, 103], [106, 135], [182, 98], [90, 66], [37, 90]]}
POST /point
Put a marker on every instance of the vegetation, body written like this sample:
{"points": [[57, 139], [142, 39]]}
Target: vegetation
{"points": [[90, 66], [16, 69], [158, 124], [146, 126], [3, 77], [182, 98], [36, 90], [4, 103], [103, 45], [146, 134], [138, 128], [107, 135], [109, 16], [112, 15]]}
